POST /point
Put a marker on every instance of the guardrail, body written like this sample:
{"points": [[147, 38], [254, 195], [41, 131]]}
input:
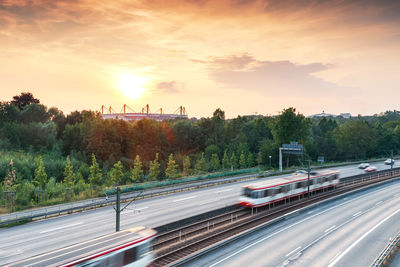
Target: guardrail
{"points": [[385, 255], [106, 201]]}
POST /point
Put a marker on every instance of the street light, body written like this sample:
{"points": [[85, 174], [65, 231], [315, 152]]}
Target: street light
{"points": [[270, 161]]}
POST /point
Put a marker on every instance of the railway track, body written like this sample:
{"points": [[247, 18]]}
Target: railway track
{"points": [[177, 244]]}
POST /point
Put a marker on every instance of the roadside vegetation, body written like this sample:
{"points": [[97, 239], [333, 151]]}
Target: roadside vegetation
{"points": [[47, 157]]}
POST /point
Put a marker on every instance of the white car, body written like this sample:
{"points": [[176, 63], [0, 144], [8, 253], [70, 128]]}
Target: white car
{"points": [[363, 165], [389, 161]]}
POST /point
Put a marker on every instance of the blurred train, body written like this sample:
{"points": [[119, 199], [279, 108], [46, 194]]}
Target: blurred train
{"points": [[132, 247], [285, 188]]}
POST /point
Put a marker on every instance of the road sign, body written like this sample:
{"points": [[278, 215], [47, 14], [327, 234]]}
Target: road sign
{"points": [[292, 148]]}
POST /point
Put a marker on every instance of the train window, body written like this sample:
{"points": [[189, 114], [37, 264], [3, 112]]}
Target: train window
{"points": [[247, 192], [320, 180], [144, 249], [298, 185], [285, 188], [265, 192], [278, 190], [130, 255]]}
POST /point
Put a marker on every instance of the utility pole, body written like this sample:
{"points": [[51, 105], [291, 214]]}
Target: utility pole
{"points": [[118, 209], [391, 162], [308, 172]]}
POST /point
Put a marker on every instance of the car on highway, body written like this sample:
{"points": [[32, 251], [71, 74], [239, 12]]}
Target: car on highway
{"points": [[363, 165], [370, 169], [389, 161]]}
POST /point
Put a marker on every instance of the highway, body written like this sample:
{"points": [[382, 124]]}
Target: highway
{"points": [[41, 236], [350, 231]]}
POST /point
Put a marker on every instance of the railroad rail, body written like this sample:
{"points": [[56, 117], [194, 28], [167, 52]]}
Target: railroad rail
{"points": [[182, 242]]}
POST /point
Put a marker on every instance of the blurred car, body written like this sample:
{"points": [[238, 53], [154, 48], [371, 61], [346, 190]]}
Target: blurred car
{"points": [[389, 161], [300, 172], [363, 165], [370, 169]]}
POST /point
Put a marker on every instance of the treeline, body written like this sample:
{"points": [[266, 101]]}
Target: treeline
{"points": [[47, 155]]}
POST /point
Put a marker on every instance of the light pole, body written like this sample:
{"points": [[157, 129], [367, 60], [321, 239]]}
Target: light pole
{"points": [[270, 161]]}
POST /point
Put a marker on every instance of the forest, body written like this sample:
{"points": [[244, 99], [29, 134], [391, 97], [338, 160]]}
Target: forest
{"points": [[48, 157]]}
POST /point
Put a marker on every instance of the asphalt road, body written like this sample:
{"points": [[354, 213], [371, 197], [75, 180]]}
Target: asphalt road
{"points": [[351, 231], [41, 236]]}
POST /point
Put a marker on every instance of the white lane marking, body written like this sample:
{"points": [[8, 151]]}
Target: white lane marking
{"points": [[288, 227], [361, 238], [330, 228], [356, 214], [61, 227], [142, 208], [396, 195], [182, 199], [293, 251], [380, 202], [335, 256], [310, 212], [225, 190]]}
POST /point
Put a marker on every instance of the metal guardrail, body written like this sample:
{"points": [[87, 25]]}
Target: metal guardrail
{"points": [[386, 254], [106, 201]]}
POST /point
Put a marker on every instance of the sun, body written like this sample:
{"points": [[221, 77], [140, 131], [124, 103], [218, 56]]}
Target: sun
{"points": [[131, 85]]}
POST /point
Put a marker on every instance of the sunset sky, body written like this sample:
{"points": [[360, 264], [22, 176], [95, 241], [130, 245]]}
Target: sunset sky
{"points": [[244, 57]]}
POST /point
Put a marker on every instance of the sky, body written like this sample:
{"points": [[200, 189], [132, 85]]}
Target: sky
{"points": [[245, 57]]}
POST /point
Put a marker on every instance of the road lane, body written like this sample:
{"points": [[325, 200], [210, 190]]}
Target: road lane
{"points": [[149, 212], [348, 232]]}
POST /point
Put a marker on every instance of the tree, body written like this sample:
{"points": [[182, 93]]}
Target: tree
{"points": [[233, 161], [116, 173], [225, 161], [186, 165], [154, 169], [40, 174], [172, 168], [242, 160], [95, 175], [215, 164], [69, 175], [289, 126], [136, 171], [23, 100], [250, 160], [356, 138], [201, 165]]}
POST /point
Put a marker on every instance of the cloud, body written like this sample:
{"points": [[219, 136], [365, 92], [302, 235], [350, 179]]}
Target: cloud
{"points": [[272, 78], [170, 87]]}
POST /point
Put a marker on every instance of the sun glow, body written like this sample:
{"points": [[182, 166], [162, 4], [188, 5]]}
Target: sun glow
{"points": [[131, 85]]}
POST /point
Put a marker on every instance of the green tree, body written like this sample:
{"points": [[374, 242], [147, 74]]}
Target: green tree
{"points": [[172, 168], [242, 160], [186, 165], [154, 170], [136, 171], [24, 99], [356, 138], [95, 176], [289, 126], [40, 174], [215, 164], [250, 160], [116, 173], [69, 175], [225, 161], [201, 164], [233, 161]]}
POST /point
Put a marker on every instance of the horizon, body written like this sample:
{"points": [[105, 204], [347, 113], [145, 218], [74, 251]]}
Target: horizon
{"points": [[247, 58]]}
